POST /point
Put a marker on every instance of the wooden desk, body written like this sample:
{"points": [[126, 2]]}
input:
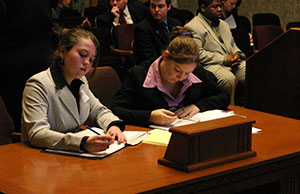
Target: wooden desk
{"points": [[135, 169]]}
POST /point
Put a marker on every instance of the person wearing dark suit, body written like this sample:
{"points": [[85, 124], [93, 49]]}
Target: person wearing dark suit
{"points": [[152, 34], [175, 85], [25, 47], [134, 11], [239, 25]]}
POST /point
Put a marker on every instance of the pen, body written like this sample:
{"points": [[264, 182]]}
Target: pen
{"points": [[185, 118], [88, 127]]}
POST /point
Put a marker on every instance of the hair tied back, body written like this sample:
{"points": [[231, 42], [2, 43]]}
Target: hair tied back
{"points": [[186, 34]]}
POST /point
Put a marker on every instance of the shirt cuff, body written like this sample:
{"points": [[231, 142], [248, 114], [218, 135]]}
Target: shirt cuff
{"points": [[118, 123], [82, 143]]}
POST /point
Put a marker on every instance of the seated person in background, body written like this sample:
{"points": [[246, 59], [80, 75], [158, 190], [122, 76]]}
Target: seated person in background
{"points": [[80, 5], [122, 12], [152, 34], [182, 15], [240, 26], [175, 85], [57, 101], [59, 10], [218, 51]]}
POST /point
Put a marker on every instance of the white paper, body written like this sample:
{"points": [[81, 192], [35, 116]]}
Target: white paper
{"points": [[133, 138]]}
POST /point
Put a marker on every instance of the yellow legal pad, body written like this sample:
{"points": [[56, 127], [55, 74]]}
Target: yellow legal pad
{"points": [[158, 137]]}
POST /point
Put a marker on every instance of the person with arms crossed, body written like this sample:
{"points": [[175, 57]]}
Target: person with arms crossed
{"points": [[218, 51], [57, 102], [152, 34], [175, 85]]}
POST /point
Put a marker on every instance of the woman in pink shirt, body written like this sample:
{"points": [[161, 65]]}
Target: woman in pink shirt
{"points": [[175, 85]]}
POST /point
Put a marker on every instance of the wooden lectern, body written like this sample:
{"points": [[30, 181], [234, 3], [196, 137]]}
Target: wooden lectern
{"points": [[206, 144]]}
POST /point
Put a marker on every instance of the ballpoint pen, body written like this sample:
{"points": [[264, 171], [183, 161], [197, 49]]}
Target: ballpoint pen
{"points": [[189, 119], [88, 127]]}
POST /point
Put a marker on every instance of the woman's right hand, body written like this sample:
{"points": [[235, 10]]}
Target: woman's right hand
{"points": [[162, 117], [98, 143]]}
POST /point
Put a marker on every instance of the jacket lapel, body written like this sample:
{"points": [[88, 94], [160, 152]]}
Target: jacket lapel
{"points": [[226, 40], [69, 101], [211, 32], [84, 105], [156, 97]]}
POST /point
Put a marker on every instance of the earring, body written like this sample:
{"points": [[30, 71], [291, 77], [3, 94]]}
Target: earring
{"points": [[61, 61]]}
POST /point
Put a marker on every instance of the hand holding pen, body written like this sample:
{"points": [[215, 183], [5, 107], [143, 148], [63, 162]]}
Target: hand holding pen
{"points": [[187, 111], [98, 142], [162, 117]]}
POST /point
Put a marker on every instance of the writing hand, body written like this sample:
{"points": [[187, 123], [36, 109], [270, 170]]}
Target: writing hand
{"points": [[115, 132], [187, 111], [162, 117], [98, 143]]}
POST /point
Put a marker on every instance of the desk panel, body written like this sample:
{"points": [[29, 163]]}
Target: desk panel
{"points": [[135, 169]]}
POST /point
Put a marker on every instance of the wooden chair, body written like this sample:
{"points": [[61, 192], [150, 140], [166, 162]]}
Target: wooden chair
{"points": [[263, 34], [6, 124], [104, 83], [106, 56], [292, 25], [122, 37], [92, 12], [265, 19]]}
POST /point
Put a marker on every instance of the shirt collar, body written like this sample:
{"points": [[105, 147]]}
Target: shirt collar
{"points": [[126, 11], [57, 76]]}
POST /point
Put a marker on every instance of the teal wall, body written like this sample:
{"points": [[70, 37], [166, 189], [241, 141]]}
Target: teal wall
{"points": [[287, 10]]}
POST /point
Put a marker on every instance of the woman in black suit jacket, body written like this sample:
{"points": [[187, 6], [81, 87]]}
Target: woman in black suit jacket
{"points": [[174, 86]]}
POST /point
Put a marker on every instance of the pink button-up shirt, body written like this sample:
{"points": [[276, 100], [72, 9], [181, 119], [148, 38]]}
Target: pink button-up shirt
{"points": [[153, 80]]}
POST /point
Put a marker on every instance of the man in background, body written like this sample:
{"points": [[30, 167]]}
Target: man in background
{"points": [[152, 34], [122, 11], [218, 51]]}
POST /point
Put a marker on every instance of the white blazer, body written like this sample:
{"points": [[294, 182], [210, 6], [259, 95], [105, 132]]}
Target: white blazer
{"points": [[50, 115]]}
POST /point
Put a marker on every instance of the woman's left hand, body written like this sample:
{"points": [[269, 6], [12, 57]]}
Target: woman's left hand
{"points": [[115, 132], [187, 111]]}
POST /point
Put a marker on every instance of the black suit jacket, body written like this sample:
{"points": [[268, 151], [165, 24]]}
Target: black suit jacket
{"points": [[137, 9], [133, 103], [150, 40]]}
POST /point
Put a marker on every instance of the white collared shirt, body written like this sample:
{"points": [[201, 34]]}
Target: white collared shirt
{"points": [[127, 17]]}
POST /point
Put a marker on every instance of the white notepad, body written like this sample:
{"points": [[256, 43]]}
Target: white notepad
{"points": [[133, 138]]}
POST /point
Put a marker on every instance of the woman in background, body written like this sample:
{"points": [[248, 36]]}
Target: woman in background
{"points": [[57, 101], [174, 86]]}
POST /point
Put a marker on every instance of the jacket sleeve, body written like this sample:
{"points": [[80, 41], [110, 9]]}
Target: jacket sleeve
{"points": [[214, 96], [129, 103], [99, 113]]}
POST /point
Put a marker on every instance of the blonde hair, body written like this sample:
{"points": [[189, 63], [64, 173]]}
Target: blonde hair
{"points": [[183, 48]]}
